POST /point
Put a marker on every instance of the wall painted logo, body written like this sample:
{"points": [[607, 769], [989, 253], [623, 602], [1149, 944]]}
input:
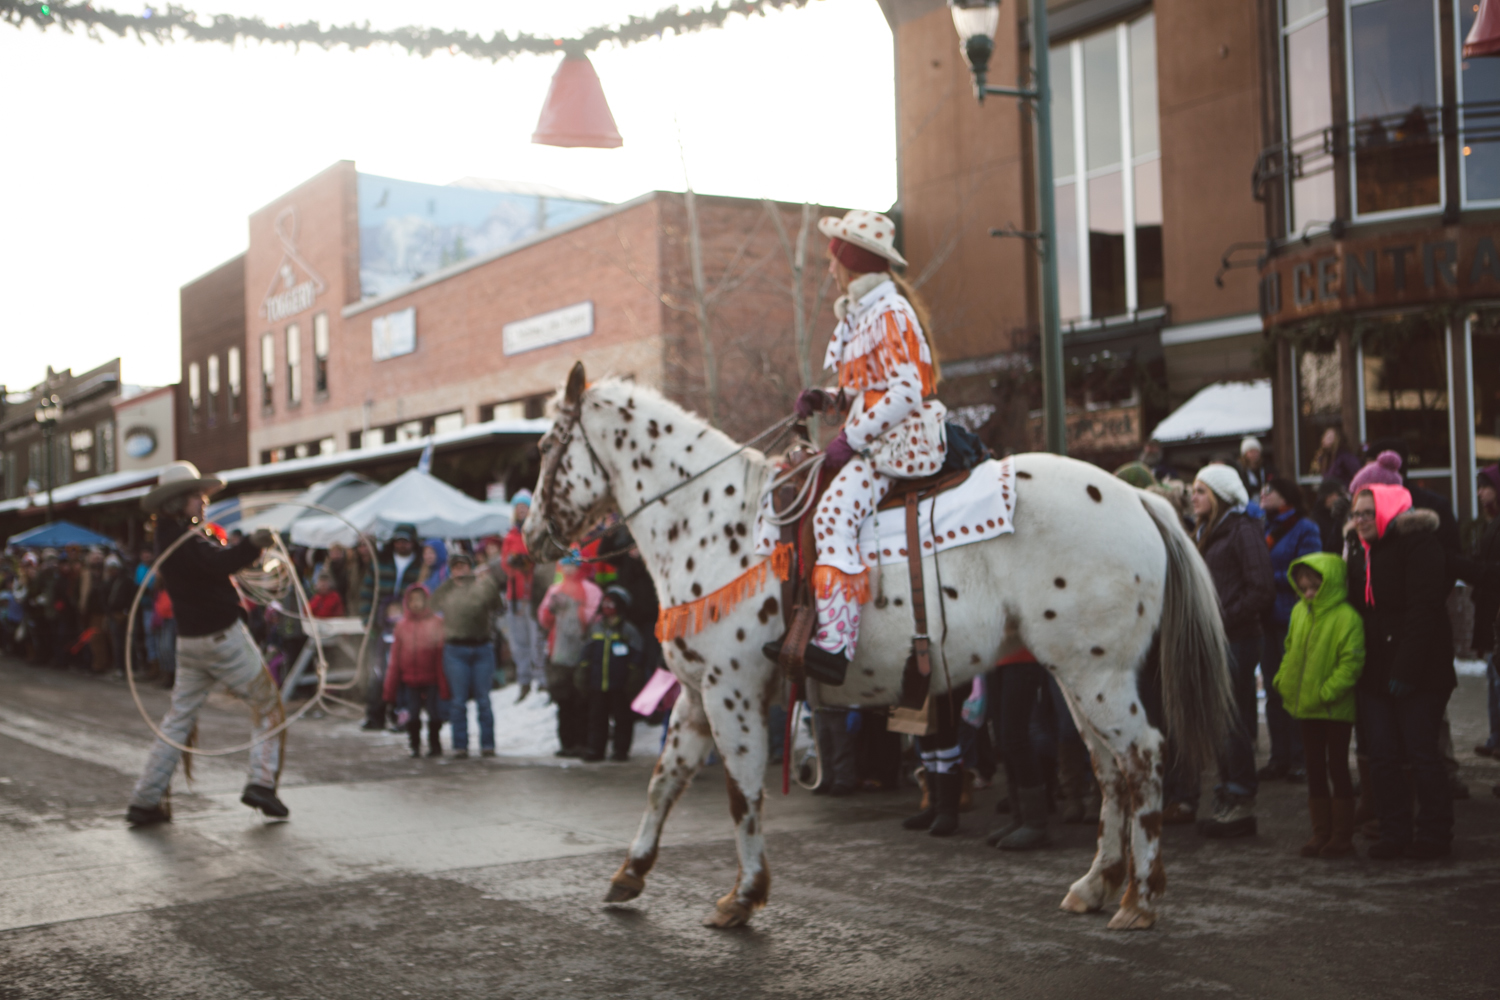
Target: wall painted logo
{"points": [[291, 292]]}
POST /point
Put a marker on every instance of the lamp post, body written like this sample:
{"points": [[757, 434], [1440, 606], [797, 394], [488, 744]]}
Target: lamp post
{"points": [[47, 416], [975, 21]]}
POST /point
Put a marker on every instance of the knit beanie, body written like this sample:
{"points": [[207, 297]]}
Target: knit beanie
{"points": [[1385, 470], [1288, 488], [1137, 475], [1225, 482], [1249, 443], [1490, 475]]}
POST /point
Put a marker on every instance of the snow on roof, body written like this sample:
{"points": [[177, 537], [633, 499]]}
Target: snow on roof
{"points": [[1221, 410]]}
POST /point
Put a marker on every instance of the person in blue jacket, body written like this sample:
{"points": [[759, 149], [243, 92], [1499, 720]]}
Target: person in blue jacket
{"points": [[1290, 535]]}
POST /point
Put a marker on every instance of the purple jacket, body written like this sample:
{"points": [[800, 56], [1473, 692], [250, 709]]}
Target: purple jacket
{"points": [[1241, 567]]}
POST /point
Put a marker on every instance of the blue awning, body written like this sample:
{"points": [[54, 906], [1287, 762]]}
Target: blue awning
{"points": [[58, 534]]}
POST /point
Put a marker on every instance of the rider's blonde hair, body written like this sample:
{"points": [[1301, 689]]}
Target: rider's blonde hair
{"points": [[919, 306]]}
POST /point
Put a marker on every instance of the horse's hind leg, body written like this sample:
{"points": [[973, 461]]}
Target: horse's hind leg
{"points": [[737, 704], [688, 742], [1127, 758]]}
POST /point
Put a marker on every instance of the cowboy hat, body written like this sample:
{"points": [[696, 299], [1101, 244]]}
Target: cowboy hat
{"points": [[180, 478], [867, 230]]}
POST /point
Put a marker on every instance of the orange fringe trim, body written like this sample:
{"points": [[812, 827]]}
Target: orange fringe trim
{"points": [[684, 619], [856, 586], [899, 347]]}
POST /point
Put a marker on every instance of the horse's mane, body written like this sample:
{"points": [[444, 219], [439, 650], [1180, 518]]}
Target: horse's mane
{"points": [[614, 388]]}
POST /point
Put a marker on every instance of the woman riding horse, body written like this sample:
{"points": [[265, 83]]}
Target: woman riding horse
{"points": [[891, 431]]}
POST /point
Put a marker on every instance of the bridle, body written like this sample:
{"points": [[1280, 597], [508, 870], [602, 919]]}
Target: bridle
{"points": [[573, 423]]}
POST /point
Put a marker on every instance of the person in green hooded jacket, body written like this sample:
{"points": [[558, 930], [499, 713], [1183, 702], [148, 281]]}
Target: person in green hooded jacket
{"points": [[1325, 654]]}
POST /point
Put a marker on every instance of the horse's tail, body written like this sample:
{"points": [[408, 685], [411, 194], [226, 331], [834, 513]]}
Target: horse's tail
{"points": [[1197, 705]]}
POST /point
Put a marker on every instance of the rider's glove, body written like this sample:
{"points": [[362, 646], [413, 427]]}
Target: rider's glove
{"points": [[837, 453], [262, 539], [810, 401]]}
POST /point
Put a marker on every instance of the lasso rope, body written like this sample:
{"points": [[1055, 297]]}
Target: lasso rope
{"points": [[321, 696]]}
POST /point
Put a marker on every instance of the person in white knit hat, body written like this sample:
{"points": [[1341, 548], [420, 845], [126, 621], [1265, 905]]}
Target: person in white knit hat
{"points": [[1235, 550], [1252, 467]]}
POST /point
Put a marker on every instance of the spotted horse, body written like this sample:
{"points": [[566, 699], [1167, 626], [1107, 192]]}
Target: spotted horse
{"points": [[1094, 572]]}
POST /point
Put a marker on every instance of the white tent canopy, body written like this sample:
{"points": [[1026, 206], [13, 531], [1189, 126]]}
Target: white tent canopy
{"points": [[337, 493], [415, 497], [1221, 410]]}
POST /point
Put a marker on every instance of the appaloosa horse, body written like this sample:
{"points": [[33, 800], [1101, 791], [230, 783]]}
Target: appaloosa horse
{"points": [[1094, 571]]}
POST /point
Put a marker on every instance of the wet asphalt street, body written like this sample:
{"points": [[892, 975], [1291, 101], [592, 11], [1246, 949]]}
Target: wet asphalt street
{"points": [[451, 878]]}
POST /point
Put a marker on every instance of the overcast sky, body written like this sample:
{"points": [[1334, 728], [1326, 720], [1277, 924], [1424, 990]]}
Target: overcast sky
{"points": [[131, 169]]}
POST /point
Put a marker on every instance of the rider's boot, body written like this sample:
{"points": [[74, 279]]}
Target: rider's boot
{"points": [[947, 789], [821, 665]]}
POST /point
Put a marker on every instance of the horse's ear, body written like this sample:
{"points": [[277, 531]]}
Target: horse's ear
{"points": [[574, 392]]}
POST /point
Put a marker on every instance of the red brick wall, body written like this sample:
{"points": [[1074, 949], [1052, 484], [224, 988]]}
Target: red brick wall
{"points": [[213, 321]]}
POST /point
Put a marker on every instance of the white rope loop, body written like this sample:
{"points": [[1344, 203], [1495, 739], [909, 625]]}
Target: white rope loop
{"points": [[322, 695]]}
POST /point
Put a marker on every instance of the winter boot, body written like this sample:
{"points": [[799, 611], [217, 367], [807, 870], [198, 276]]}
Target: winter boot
{"points": [[1006, 806], [947, 790], [1341, 830], [1233, 817], [1076, 781], [1321, 811], [1032, 833], [434, 739], [1365, 816], [414, 737], [923, 819], [966, 791]]}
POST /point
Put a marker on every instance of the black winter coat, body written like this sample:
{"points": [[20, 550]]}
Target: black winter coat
{"points": [[1240, 564], [1407, 633], [1486, 596], [204, 601]]}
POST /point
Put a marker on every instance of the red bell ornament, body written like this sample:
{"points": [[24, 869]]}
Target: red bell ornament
{"points": [[1484, 37], [575, 112]]}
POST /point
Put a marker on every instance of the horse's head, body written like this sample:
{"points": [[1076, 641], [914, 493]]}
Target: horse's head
{"points": [[573, 491]]}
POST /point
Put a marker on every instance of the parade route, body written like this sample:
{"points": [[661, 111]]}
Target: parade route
{"points": [[401, 877]]}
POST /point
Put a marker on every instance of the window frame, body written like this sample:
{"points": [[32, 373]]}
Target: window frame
{"points": [[1458, 98], [322, 347], [1285, 31], [293, 364], [1436, 208], [268, 372], [234, 379], [1128, 163]]}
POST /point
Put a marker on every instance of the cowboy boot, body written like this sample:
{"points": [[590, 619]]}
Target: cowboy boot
{"points": [[1321, 812], [1341, 830], [948, 789], [1032, 833], [966, 790], [1365, 816], [928, 810]]}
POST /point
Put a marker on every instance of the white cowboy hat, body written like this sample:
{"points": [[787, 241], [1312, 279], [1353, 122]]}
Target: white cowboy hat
{"points": [[177, 479], [867, 230]]}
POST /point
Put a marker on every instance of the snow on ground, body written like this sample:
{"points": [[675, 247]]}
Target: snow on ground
{"points": [[529, 728], [1470, 668]]}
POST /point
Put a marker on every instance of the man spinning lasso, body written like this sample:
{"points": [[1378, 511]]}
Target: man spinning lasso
{"points": [[891, 431]]}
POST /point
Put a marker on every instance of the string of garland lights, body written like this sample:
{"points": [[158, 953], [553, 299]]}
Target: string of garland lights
{"points": [[170, 23]]}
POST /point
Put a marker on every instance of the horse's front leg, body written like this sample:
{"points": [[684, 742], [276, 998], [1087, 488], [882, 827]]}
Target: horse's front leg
{"points": [[688, 742], [737, 700]]}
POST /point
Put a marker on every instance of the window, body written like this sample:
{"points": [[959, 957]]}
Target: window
{"points": [[1484, 361], [327, 446], [234, 383], [320, 353], [267, 371], [104, 447], [1309, 113], [81, 443], [36, 469], [294, 364], [1320, 396], [1394, 96], [1405, 383], [1107, 172], [411, 430], [195, 395], [213, 389], [1479, 126]]}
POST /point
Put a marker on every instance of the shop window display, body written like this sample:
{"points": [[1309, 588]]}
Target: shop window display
{"points": [[1406, 393]]}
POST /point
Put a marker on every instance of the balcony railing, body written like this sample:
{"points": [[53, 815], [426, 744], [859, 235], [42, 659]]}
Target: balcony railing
{"points": [[1319, 151]]}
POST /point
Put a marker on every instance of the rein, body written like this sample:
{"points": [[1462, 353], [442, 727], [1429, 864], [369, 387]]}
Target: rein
{"points": [[574, 416]]}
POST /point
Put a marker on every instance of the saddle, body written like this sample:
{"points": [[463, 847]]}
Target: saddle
{"points": [[799, 609]]}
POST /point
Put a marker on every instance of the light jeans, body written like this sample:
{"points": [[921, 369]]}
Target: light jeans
{"points": [[525, 638], [231, 658]]}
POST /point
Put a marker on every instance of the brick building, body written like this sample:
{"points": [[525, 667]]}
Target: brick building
{"points": [[355, 333], [1157, 116], [83, 441], [212, 424]]}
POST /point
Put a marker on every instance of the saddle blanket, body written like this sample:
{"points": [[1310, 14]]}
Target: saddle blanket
{"points": [[981, 507]]}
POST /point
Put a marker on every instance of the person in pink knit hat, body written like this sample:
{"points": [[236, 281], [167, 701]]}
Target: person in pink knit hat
{"points": [[1385, 470]]}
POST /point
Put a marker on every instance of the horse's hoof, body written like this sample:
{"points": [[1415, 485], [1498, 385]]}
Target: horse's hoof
{"points": [[623, 886], [621, 893], [1074, 903], [727, 913], [1129, 918]]}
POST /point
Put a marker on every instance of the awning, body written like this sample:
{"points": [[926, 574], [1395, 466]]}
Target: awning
{"points": [[77, 492], [416, 497], [58, 534], [1221, 410]]}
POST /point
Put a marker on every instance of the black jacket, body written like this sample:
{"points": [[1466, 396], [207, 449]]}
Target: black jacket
{"points": [[1407, 633], [1486, 595], [1240, 564], [197, 577]]}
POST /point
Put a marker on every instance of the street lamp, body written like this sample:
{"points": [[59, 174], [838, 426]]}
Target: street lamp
{"points": [[976, 21], [47, 416]]}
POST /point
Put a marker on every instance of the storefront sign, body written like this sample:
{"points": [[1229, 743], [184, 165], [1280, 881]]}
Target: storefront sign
{"points": [[1412, 268], [140, 442], [1117, 428], [555, 327], [394, 334]]}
